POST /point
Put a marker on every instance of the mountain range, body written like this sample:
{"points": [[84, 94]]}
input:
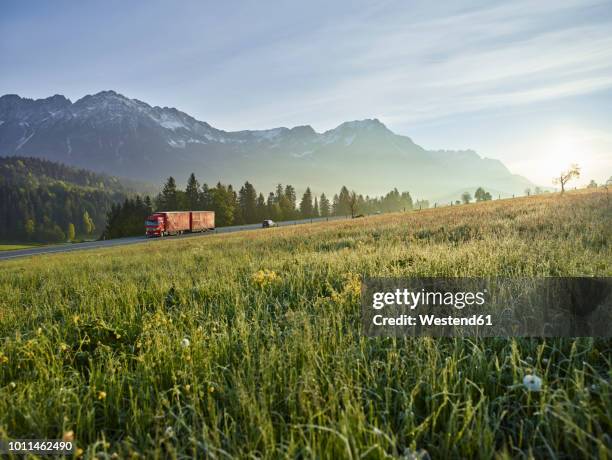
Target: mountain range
{"points": [[111, 133]]}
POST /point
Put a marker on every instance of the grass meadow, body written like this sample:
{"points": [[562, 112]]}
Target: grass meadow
{"points": [[13, 247], [248, 345]]}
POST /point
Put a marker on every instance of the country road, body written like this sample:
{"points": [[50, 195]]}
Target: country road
{"points": [[68, 247]]}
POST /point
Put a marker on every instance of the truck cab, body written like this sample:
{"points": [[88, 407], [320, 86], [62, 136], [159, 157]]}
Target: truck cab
{"points": [[154, 225]]}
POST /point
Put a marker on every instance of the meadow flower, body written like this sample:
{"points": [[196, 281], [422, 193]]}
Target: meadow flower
{"points": [[101, 395], [169, 432], [185, 342], [3, 358], [263, 278], [68, 436], [532, 382]]}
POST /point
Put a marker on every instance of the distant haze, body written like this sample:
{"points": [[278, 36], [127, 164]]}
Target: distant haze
{"points": [[528, 83], [112, 133]]}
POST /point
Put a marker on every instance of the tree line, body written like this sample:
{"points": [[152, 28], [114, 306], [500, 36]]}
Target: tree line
{"points": [[246, 206], [43, 201]]}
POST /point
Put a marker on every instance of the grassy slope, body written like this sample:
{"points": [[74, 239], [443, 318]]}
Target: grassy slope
{"points": [[276, 364], [13, 247]]}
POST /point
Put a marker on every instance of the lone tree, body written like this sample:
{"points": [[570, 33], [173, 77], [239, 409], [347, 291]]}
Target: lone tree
{"points": [[466, 197], [572, 173]]}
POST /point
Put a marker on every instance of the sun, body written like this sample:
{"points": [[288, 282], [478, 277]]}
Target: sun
{"points": [[565, 148]]}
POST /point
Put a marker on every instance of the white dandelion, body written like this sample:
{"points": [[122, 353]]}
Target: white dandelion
{"points": [[185, 342], [532, 382]]}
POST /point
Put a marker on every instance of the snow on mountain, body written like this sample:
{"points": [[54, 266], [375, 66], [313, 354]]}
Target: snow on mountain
{"points": [[111, 133]]}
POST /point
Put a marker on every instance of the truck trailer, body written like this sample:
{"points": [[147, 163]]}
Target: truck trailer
{"points": [[165, 223]]}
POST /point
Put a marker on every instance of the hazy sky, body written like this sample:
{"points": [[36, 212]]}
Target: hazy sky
{"points": [[529, 83]]}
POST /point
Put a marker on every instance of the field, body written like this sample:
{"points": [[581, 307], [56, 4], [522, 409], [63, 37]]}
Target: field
{"points": [[12, 247], [249, 344]]}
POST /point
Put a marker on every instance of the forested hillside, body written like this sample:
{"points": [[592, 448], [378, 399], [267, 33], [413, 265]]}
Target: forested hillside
{"points": [[45, 201]]}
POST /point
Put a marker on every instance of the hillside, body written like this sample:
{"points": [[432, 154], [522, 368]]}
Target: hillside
{"points": [[40, 198], [249, 345], [111, 133]]}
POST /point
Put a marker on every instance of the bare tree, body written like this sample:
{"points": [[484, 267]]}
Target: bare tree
{"points": [[566, 176], [527, 191]]}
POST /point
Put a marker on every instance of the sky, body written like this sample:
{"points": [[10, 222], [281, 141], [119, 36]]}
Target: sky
{"points": [[526, 82]]}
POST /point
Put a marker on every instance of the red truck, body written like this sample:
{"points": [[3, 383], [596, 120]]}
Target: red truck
{"points": [[165, 223]]}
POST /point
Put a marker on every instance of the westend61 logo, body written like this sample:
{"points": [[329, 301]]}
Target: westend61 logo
{"points": [[487, 307]]}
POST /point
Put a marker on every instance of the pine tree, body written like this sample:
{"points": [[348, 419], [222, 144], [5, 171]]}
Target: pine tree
{"points": [[205, 198], [247, 199], [192, 195], [273, 208], [324, 206], [149, 205], [261, 209], [342, 205], [292, 199], [279, 193], [168, 199], [306, 204]]}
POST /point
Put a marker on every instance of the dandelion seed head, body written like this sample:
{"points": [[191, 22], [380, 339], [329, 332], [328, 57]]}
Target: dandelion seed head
{"points": [[532, 382]]}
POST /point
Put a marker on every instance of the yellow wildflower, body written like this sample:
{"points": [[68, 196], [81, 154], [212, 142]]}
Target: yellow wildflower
{"points": [[263, 278]]}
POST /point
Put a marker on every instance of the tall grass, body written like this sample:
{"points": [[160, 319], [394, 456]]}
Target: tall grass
{"points": [[274, 364]]}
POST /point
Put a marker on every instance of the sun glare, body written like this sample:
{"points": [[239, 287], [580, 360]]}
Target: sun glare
{"points": [[564, 150]]}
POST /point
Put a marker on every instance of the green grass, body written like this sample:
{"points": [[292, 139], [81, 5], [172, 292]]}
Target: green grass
{"points": [[276, 365], [13, 247]]}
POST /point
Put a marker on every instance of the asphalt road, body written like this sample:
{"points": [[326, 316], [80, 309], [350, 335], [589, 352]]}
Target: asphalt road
{"points": [[68, 247]]}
